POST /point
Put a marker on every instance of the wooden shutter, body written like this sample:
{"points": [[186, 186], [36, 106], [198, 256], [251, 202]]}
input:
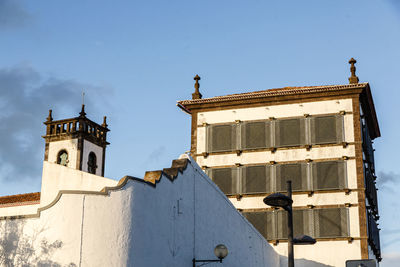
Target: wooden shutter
{"points": [[290, 132], [331, 222], [256, 135], [226, 179], [329, 175], [327, 129], [297, 173], [221, 137], [256, 179], [262, 221]]}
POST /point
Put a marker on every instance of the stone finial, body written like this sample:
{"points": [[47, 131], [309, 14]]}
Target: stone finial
{"points": [[82, 113], [196, 94], [50, 117], [104, 122], [353, 78]]}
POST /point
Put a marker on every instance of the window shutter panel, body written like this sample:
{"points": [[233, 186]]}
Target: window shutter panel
{"points": [[209, 138], [234, 137], [301, 222], [339, 128], [328, 175], [255, 135], [256, 179], [225, 179], [327, 129], [331, 222], [281, 224], [222, 138], [262, 221], [290, 132], [344, 215], [297, 173]]}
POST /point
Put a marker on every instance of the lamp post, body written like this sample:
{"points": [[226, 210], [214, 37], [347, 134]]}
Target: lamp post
{"points": [[286, 202], [220, 252]]}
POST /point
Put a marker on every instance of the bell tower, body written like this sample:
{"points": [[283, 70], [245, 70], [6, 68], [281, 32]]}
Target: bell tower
{"points": [[77, 143]]}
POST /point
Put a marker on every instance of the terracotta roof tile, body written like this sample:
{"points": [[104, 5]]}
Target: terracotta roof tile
{"points": [[274, 92], [20, 199]]}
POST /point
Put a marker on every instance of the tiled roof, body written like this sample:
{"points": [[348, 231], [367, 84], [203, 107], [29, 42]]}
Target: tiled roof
{"points": [[22, 199], [274, 92]]}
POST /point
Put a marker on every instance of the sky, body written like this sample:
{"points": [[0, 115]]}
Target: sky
{"points": [[135, 59]]}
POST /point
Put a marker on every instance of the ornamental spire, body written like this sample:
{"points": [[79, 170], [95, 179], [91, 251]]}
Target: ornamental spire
{"points": [[104, 122], [353, 78], [196, 94], [50, 117]]}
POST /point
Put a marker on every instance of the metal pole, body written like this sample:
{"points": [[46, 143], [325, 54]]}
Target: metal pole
{"points": [[290, 227]]}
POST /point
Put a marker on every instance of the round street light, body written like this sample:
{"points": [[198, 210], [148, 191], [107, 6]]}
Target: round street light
{"points": [[221, 251], [278, 200]]}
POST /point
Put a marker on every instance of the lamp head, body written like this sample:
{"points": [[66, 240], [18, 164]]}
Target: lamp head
{"points": [[304, 240], [221, 251], [278, 200]]}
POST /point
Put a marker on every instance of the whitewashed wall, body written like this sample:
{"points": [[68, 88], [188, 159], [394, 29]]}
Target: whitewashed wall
{"points": [[71, 146], [97, 150], [56, 178], [137, 225]]}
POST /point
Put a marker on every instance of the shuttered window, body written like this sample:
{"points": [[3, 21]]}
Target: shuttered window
{"points": [[332, 222], [226, 179], [263, 222], [290, 132], [222, 137], [256, 135], [328, 175], [317, 223], [326, 129], [256, 179], [261, 179], [297, 173]]}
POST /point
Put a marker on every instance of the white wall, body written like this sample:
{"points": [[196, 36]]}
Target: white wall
{"points": [[56, 178], [71, 146], [139, 225], [97, 150]]}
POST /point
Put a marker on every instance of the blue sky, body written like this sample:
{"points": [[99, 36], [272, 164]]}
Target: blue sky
{"points": [[134, 59]]}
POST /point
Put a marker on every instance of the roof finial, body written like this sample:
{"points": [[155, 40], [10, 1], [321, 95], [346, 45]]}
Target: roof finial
{"points": [[49, 118], [104, 122], [353, 78], [82, 113], [196, 94]]}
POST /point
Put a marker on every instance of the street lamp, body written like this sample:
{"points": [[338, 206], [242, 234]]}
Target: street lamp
{"points": [[220, 251], [285, 202]]}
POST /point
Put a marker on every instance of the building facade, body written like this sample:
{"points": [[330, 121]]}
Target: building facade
{"points": [[318, 137]]}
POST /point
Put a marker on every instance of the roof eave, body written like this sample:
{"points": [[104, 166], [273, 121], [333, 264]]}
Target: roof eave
{"points": [[371, 114]]}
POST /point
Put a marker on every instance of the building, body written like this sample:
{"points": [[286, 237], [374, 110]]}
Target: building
{"points": [[80, 218], [320, 138]]}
